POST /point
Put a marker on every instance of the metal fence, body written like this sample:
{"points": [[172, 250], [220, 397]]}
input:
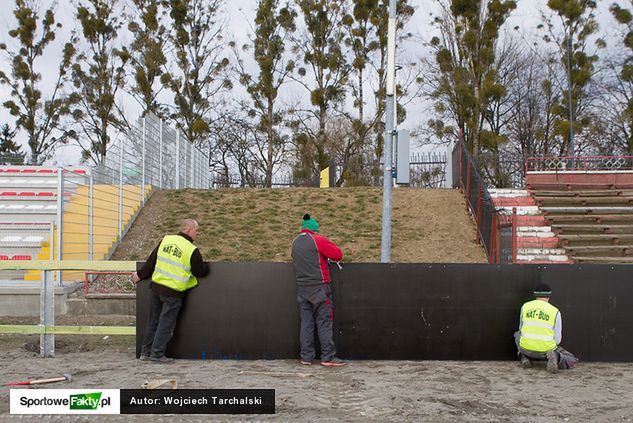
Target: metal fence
{"points": [[426, 170], [586, 163], [154, 154], [494, 229]]}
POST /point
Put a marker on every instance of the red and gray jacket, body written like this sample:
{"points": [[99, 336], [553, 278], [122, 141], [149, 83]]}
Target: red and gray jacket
{"points": [[310, 252]]}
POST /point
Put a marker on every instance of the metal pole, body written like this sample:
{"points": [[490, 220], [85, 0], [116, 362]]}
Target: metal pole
{"points": [[191, 156], [52, 242], [91, 219], [514, 235], [571, 113], [387, 183], [160, 155], [143, 172], [60, 210], [47, 314], [177, 159], [121, 153]]}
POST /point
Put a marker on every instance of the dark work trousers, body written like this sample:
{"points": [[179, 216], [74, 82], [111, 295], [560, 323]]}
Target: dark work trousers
{"points": [[316, 308], [163, 314], [566, 360]]}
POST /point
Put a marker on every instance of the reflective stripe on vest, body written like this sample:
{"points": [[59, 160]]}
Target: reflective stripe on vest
{"points": [[537, 329], [173, 263]]}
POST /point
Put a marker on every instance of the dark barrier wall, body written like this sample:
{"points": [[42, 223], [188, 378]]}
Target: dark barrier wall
{"points": [[402, 311]]}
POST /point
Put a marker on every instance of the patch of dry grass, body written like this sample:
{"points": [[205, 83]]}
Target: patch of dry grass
{"points": [[260, 224]]}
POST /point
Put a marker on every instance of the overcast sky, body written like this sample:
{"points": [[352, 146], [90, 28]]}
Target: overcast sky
{"points": [[239, 15]]}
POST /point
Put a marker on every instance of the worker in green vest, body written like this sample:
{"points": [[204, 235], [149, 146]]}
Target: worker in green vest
{"points": [[174, 266], [540, 333]]}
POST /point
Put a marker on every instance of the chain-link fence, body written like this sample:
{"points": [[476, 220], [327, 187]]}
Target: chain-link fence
{"points": [[426, 170]]}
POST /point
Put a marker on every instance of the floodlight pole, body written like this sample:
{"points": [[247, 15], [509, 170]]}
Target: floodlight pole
{"points": [[387, 182]]}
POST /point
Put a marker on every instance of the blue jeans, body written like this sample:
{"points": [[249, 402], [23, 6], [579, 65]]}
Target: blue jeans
{"points": [[316, 309], [163, 315]]}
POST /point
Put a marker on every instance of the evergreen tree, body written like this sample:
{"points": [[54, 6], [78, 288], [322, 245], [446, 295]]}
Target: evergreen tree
{"points": [[10, 152]]}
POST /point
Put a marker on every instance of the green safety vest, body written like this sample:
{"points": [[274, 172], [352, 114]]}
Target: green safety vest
{"points": [[173, 263], [537, 330]]}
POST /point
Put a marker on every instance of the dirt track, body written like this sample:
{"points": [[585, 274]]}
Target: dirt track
{"points": [[426, 391]]}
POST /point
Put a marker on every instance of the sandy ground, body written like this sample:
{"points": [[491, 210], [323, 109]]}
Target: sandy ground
{"points": [[381, 391]]}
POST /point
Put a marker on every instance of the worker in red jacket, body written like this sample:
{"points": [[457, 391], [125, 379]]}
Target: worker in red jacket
{"points": [[310, 254]]}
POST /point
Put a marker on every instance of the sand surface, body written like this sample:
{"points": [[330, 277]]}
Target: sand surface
{"points": [[381, 391]]}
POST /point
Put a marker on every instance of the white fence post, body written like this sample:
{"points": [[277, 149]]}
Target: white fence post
{"points": [[47, 314]]}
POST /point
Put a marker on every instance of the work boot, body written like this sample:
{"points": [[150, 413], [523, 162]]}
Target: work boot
{"points": [[525, 362], [161, 359], [552, 361], [333, 362]]}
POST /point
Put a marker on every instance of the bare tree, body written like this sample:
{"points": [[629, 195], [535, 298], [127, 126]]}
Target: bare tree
{"points": [[99, 75], [39, 115], [199, 48]]}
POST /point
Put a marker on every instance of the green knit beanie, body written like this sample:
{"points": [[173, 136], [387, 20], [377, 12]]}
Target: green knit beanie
{"points": [[309, 223]]}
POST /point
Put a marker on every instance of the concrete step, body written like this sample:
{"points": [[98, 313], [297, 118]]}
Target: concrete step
{"points": [[538, 242], [587, 210], [541, 251], [609, 260], [521, 211], [531, 221], [543, 257], [544, 262], [507, 192], [513, 202]]}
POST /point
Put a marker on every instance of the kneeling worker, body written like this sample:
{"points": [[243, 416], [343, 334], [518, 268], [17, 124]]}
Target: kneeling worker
{"points": [[540, 333]]}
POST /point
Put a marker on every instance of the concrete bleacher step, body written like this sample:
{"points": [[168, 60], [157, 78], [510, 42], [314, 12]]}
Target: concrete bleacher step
{"points": [[596, 228], [507, 192], [538, 242], [602, 260], [542, 258], [623, 250], [584, 193], [541, 251], [588, 210], [598, 218], [584, 201], [596, 237], [521, 211], [535, 231]]}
